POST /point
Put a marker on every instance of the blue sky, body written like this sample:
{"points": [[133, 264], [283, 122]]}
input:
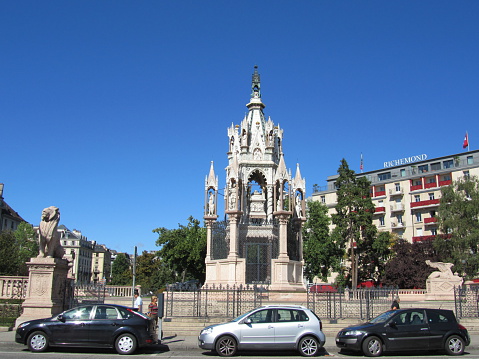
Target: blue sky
{"points": [[113, 110]]}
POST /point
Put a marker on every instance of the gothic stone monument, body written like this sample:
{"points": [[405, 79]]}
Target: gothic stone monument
{"points": [[260, 241], [47, 272]]}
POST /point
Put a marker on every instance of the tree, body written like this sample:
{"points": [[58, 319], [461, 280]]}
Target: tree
{"points": [[183, 250], [321, 254], [151, 272], [408, 269], [121, 273], [27, 243], [355, 231], [8, 254], [458, 218]]}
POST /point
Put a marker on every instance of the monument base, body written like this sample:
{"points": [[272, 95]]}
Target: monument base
{"points": [[442, 288], [287, 275], [46, 288]]}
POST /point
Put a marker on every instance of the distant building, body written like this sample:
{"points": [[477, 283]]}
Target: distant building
{"points": [[407, 192], [9, 218], [79, 250], [101, 264]]}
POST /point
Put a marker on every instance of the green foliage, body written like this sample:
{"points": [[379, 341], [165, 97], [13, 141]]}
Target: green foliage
{"points": [[408, 268], [151, 272], [27, 243], [183, 250], [121, 272], [321, 254], [355, 231], [458, 216], [16, 248]]}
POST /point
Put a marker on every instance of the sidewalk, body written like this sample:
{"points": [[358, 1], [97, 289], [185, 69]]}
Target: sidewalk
{"points": [[178, 343]]}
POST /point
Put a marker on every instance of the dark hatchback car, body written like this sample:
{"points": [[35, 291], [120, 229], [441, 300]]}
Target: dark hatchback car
{"points": [[406, 329], [93, 326]]}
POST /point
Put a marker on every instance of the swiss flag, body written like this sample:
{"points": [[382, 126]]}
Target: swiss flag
{"points": [[466, 141]]}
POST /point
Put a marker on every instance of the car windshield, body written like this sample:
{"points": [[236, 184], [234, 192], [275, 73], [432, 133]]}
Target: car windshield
{"points": [[381, 318], [242, 316]]}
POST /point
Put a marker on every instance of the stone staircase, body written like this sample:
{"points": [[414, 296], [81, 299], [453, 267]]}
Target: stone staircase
{"points": [[192, 326]]}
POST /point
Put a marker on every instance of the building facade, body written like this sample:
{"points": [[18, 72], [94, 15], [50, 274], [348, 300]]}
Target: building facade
{"points": [[101, 264], [260, 242], [9, 218], [407, 192]]}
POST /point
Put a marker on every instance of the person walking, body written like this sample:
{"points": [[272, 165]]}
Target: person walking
{"points": [[395, 303], [138, 304]]}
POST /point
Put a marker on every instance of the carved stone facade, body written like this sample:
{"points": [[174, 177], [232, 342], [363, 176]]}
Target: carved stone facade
{"points": [[261, 241]]}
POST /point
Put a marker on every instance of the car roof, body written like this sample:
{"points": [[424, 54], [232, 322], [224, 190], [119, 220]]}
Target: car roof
{"points": [[288, 306]]}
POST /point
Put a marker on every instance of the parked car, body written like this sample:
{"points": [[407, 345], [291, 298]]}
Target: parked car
{"points": [[323, 288], [406, 329], [271, 327], [102, 325]]}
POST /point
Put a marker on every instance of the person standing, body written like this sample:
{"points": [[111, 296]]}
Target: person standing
{"points": [[138, 304], [153, 310]]}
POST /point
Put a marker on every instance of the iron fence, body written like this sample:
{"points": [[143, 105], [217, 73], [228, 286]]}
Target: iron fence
{"points": [[466, 302], [364, 303], [77, 294], [213, 301]]}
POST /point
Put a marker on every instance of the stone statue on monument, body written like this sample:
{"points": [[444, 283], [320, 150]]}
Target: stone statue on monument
{"points": [[49, 238]]}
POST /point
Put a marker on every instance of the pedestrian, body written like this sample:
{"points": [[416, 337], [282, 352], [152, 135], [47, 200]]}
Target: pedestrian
{"points": [[395, 303], [153, 310], [138, 304]]}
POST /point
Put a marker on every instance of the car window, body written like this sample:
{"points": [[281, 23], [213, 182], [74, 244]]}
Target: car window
{"points": [[105, 312], [290, 315], [262, 316], [416, 318], [125, 314], [80, 313], [435, 317]]}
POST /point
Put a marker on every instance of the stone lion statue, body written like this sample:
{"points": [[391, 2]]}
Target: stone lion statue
{"points": [[49, 238]]}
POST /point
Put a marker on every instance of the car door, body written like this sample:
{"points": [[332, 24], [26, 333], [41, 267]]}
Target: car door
{"points": [[288, 325], [408, 330], [440, 323], [105, 322], [73, 328], [259, 333]]}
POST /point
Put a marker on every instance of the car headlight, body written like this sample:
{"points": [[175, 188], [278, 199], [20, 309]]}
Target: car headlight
{"points": [[24, 324], [354, 333], [207, 331]]}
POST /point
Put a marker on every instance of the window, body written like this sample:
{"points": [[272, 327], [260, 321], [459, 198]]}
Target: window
{"points": [[403, 172], [446, 177], [434, 231], [417, 198], [435, 317], [431, 180], [262, 316], [423, 168], [323, 199], [418, 217], [432, 214], [286, 315], [435, 166], [470, 160], [447, 164], [398, 187], [78, 313], [417, 182], [431, 196], [381, 221], [399, 218], [466, 174], [384, 176], [419, 232]]}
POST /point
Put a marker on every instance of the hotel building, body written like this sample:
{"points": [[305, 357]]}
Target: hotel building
{"points": [[407, 191]]}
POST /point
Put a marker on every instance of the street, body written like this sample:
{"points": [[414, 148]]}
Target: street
{"points": [[17, 351]]}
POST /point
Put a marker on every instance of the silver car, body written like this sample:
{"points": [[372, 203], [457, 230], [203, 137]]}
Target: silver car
{"points": [[272, 327]]}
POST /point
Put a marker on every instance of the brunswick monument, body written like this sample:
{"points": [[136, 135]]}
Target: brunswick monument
{"points": [[260, 241], [47, 272]]}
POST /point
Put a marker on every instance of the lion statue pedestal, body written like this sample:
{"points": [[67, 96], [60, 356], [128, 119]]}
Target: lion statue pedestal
{"points": [[440, 284], [47, 273]]}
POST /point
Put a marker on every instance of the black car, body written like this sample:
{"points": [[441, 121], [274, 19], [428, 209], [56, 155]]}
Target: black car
{"points": [[406, 329], [98, 326]]}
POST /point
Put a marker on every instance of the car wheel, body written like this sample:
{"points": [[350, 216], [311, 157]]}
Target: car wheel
{"points": [[125, 344], [37, 342], [308, 347], [226, 346], [455, 345], [372, 347]]}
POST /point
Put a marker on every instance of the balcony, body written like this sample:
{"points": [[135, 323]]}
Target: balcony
{"points": [[379, 210], [445, 183], [429, 203], [378, 194], [397, 225], [397, 208], [417, 187], [429, 238], [430, 185], [394, 192], [431, 220]]}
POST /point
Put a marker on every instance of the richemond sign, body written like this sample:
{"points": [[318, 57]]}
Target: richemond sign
{"points": [[405, 161]]}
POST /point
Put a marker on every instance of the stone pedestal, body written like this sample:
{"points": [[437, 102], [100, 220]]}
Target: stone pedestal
{"points": [[440, 288], [46, 288]]}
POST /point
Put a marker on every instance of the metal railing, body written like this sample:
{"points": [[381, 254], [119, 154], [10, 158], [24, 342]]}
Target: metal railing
{"points": [[466, 302]]}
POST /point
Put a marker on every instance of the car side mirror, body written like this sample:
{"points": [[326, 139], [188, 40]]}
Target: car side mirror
{"points": [[247, 321], [61, 318]]}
